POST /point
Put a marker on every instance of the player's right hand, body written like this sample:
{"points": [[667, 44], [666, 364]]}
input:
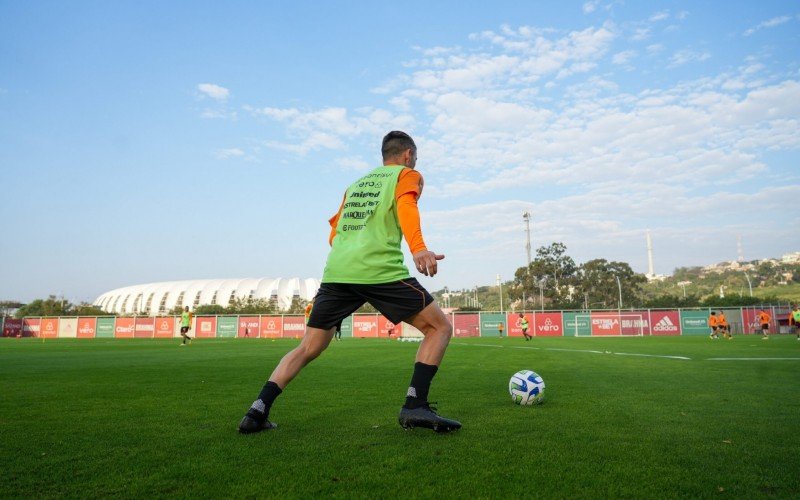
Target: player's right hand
{"points": [[425, 262]]}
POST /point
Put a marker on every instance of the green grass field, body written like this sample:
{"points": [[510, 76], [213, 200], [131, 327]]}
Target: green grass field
{"points": [[143, 418]]}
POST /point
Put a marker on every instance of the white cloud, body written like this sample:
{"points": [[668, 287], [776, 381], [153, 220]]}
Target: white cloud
{"points": [[771, 23], [213, 91], [354, 163], [601, 161], [623, 57], [659, 16], [224, 154], [686, 56], [590, 6], [640, 34]]}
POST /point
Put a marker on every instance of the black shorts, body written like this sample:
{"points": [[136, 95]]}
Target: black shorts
{"points": [[397, 301], [765, 326], [185, 329], [714, 328]]}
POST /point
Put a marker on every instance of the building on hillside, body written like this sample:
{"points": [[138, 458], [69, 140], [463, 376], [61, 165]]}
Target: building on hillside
{"points": [[160, 298], [791, 258]]}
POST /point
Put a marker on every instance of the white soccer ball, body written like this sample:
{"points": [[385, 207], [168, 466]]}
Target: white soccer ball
{"points": [[526, 388]]}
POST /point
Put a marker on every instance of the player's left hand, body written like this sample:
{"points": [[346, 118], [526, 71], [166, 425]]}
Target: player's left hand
{"points": [[425, 262]]}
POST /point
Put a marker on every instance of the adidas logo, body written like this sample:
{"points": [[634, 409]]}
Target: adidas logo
{"points": [[665, 325]]}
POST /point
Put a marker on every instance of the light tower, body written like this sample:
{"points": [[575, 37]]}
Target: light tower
{"points": [[739, 248], [650, 271], [526, 216]]}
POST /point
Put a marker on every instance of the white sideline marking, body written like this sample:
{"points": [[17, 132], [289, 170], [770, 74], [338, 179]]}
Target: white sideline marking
{"points": [[649, 355], [580, 350], [753, 359], [574, 350]]}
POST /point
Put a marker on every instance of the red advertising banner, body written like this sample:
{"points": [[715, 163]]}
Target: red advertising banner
{"points": [[205, 327], [466, 325], [634, 323], [86, 328], [606, 323], [248, 326], [294, 327], [164, 327], [271, 327], [385, 326], [144, 328], [665, 323], [124, 328], [31, 327], [48, 328], [548, 324], [12, 328], [752, 323], [365, 325], [514, 322]]}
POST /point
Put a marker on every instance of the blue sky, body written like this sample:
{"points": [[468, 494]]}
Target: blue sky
{"points": [[153, 141]]}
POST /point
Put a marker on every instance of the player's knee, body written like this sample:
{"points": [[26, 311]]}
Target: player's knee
{"points": [[445, 329]]}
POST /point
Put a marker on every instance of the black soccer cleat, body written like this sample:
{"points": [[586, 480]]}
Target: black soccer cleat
{"points": [[250, 425], [426, 416]]}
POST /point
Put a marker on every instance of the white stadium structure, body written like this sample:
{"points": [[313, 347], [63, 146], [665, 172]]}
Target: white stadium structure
{"points": [[160, 298]]}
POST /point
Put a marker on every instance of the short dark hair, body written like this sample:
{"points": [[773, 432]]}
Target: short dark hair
{"points": [[395, 142]]}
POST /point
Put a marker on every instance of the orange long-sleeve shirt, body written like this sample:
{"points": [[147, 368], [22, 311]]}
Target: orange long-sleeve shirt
{"points": [[408, 190]]}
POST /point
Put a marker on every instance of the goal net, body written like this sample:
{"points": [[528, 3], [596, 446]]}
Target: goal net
{"points": [[610, 325]]}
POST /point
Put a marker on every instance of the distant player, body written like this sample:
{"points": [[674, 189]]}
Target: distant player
{"points": [[523, 322], [763, 319], [500, 328], [186, 325], [794, 320], [723, 325], [365, 265], [713, 323]]}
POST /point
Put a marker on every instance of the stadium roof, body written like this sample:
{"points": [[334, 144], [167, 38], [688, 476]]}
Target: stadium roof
{"points": [[160, 298]]}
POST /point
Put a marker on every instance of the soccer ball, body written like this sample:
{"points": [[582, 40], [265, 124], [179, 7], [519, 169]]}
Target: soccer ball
{"points": [[526, 388]]}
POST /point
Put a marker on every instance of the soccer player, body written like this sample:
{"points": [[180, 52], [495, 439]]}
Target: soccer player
{"points": [[365, 264], [523, 322], [794, 319], [186, 325], [722, 321], [764, 318], [500, 327], [713, 323]]}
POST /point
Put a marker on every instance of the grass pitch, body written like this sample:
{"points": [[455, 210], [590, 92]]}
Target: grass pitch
{"points": [[143, 418]]}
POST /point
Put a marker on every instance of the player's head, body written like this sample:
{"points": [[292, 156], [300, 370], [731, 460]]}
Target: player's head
{"points": [[399, 148], [713, 313], [521, 315], [186, 308]]}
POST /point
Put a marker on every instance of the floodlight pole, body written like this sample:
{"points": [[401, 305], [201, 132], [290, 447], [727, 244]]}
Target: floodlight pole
{"points": [[619, 288], [501, 292], [526, 216], [749, 284]]}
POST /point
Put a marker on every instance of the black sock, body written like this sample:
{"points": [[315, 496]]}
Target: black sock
{"points": [[420, 385], [261, 406]]}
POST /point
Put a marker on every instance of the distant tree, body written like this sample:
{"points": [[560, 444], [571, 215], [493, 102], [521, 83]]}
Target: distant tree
{"points": [[209, 309], [298, 306], [669, 301], [51, 306], [6, 306], [597, 279], [737, 301], [468, 308], [86, 309], [550, 275]]}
